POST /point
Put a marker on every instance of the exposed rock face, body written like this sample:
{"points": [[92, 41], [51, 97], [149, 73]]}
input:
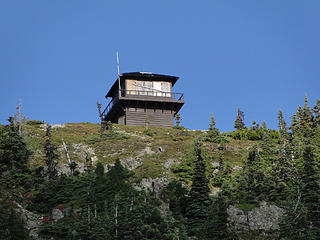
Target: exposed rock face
{"points": [[57, 214], [237, 218], [152, 184], [265, 217], [170, 162], [82, 150], [131, 162], [33, 221]]}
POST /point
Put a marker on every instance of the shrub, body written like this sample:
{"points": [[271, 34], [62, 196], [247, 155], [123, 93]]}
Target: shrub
{"points": [[35, 122]]}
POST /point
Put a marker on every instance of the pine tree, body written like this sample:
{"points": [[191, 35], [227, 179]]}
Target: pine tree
{"points": [[212, 131], [13, 150], [238, 123], [99, 187], [282, 126], [216, 225], [255, 175], [303, 122], [302, 218], [11, 224], [316, 112], [212, 125], [311, 191], [198, 200], [51, 156]]}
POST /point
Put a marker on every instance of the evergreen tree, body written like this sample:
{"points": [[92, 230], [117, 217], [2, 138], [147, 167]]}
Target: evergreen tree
{"points": [[292, 224], [11, 224], [51, 156], [13, 150], [311, 192], [198, 200], [212, 131], [212, 125], [302, 219], [255, 175], [303, 123], [282, 126], [238, 123], [99, 188], [117, 178], [216, 225], [316, 112]]}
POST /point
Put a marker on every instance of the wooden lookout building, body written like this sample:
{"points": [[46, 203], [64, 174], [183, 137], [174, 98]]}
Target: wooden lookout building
{"points": [[140, 97]]}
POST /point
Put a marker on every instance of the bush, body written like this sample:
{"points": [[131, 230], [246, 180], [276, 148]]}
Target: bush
{"points": [[148, 132], [35, 122], [247, 134]]}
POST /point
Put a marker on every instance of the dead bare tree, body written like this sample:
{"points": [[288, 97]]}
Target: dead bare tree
{"points": [[19, 120]]}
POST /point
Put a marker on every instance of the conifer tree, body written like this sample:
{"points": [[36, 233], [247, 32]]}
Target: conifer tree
{"points": [[198, 200], [99, 187], [254, 171], [51, 156], [303, 124], [212, 131], [311, 192], [238, 123], [216, 225], [316, 112], [13, 150], [11, 224], [282, 126], [302, 218], [212, 125]]}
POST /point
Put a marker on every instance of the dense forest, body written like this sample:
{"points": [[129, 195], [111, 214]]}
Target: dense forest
{"points": [[101, 201]]}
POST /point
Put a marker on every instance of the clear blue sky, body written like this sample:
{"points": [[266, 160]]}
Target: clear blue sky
{"points": [[59, 56]]}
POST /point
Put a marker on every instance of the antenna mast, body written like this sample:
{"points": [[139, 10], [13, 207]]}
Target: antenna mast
{"points": [[118, 73]]}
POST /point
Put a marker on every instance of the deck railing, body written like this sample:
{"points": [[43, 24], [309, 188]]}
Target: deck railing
{"points": [[172, 96], [109, 106], [158, 94]]}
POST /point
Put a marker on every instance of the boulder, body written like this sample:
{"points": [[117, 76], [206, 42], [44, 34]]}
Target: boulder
{"points": [[266, 217]]}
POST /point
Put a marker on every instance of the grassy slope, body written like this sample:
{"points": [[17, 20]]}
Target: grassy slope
{"points": [[129, 142]]}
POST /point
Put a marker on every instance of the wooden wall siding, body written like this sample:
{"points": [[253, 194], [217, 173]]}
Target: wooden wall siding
{"points": [[138, 118], [121, 120]]}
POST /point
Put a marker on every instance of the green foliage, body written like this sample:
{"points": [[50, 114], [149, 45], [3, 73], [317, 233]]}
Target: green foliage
{"points": [[198, 197], [11, 223], [303, 205], [34, 122], [311, 191], [176, 195], [178, 119], [148, 132], [303, 123], [255, 176], [13, 150], [238, 123], [216, 225], [185, 170], [110, 208], [51, 156]]}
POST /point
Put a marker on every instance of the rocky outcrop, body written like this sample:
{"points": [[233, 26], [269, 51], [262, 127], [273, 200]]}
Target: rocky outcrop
{"points": [[152, 184], [33, 221], [263, 218]]}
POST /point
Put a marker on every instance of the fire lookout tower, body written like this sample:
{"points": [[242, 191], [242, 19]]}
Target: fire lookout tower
{"points": [[143, 96]]}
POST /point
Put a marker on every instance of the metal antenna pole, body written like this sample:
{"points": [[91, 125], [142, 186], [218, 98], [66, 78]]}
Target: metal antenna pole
{"points": [[118, 73]]}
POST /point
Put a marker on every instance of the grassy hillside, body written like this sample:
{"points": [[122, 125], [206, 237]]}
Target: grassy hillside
{"points": [[154, 148]]}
